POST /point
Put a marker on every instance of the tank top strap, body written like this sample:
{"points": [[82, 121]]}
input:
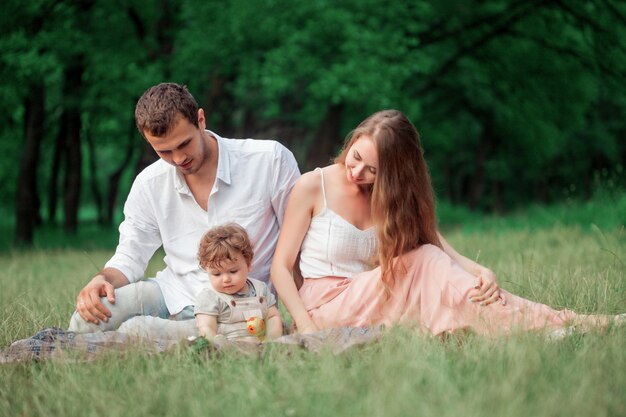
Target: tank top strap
{"points": [[323, 189]]}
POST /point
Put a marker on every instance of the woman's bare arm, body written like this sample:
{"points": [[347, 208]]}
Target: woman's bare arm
{"points": [[488, 290], [295, 225]]}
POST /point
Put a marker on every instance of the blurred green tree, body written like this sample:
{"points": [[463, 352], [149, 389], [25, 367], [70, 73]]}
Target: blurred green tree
{"points": [[516, 101]]}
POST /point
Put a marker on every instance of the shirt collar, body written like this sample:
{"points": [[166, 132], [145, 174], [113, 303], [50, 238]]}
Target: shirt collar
{"points": [[223, 159], [223, 166], [246, 293]]}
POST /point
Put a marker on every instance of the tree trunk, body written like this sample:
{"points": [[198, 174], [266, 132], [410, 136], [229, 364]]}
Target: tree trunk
{"points": [[542, 189], [93, 179], [477, 183], [147, 157], [72, 94], [114, 178], [483, 152], [217, 98], [449, 189], [55, 170], [498, 204], [326, 138], [27, 201]]}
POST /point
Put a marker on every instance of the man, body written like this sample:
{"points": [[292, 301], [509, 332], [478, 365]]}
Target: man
{"points": [[201, 180]]}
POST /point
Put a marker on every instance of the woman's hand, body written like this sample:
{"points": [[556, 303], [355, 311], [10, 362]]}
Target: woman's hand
{"points": [[487, 291]]}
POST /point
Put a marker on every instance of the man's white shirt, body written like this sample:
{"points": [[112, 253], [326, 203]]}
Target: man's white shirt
{"points": [[252, 185]]}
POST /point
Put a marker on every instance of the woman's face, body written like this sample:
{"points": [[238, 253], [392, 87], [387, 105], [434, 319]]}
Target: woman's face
{"points": [[362, 161]]}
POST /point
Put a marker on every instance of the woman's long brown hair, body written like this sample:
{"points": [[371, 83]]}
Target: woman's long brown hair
{"points": [[403, 206]]}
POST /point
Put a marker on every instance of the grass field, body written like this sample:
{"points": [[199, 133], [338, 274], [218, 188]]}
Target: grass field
{"points": [[578, 266]]}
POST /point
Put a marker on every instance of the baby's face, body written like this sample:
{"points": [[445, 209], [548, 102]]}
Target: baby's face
{"points": [[229, 277]]}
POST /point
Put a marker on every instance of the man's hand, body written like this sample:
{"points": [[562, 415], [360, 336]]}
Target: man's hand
{"points": [[88, 302], [488, 290]]}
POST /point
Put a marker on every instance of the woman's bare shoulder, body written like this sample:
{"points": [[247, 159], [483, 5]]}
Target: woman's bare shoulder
{"points": [[305, 192], [310, 182]]}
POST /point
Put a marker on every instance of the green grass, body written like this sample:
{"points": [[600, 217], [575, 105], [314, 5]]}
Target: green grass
{"points": [[576, 266], [405, 375], [606, 211], [568, 255]]}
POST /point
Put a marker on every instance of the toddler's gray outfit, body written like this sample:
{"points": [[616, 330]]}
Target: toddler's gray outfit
{"points": [[233, 310]]}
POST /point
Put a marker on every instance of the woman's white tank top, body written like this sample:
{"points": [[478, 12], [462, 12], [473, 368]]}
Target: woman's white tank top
{"points": [[334, 247]]}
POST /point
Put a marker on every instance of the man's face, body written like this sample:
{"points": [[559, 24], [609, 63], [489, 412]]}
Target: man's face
{"points": [[183, 145]]}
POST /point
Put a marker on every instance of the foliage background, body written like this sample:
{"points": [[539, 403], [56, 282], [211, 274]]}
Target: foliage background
{"points": [[516, 102]]}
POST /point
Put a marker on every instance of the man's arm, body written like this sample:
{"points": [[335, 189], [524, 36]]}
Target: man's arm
{"points": [[139, 239], [285, 176]]}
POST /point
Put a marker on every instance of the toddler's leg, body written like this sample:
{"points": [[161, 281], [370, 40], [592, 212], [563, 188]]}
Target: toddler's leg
{"points": [[136, 299]]}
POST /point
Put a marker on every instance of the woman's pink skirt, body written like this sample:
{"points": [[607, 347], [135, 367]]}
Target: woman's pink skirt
{"points": [[432, 294]]}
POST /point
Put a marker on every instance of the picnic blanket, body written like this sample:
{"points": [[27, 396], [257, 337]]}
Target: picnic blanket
{"points": [[58, 344]]}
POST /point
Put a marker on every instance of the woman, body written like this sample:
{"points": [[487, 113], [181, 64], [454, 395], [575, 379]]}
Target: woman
{"points": [[375, 206]]}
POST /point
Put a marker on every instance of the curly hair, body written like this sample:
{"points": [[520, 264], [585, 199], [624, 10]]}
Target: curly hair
{"points": [[160, 106], [224, 243]]}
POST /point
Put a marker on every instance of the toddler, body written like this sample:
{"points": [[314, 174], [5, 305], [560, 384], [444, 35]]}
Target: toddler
{"points": [[234, 305]]}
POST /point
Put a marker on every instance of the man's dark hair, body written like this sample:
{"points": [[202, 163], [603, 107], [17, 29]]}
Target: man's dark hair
{"points": [[160, 106]]}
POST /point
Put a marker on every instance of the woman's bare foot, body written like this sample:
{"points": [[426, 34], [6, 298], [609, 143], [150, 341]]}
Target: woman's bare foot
{"points": [[585, 323], [588, 322], [620, 319]]}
